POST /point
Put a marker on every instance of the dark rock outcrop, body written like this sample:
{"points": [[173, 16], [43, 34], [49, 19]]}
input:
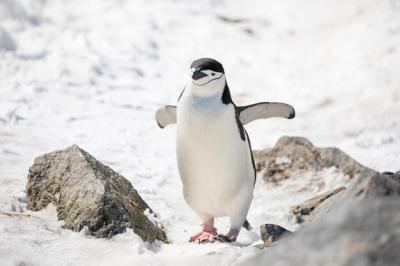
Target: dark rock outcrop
{"points": [[295, 155], [359, 225], [88, 194], [365, 186], [359, 232], [384, 184]]}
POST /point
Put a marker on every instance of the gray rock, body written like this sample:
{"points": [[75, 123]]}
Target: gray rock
{"points": [[88, 194], [356, 232], [368, 184], [359, 225], [385, 184], [313, 207], [394, 176], [293, 155]]}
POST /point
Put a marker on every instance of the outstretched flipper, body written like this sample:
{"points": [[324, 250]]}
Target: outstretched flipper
{"points": [[263, 110], [166, 116]]}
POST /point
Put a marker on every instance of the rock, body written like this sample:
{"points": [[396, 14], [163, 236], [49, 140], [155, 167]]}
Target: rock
{"points": [[88, 194], [292, 156], [369, 185], [304, 210], [385, 184], [359, 225], [272, 232], [296, 157], [357, 232], [394, 176]]}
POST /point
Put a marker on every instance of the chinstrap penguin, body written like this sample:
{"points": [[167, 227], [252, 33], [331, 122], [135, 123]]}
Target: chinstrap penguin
{"points": [[214, 155]]}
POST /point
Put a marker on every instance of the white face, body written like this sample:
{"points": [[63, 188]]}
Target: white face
{"points": [[209, 83]]}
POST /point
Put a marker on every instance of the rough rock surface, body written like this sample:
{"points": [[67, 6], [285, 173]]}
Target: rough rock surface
{"points": [[359, 232], [294, 155], [384, 184], [359, 225], [311, 208], [374, 185], [88, 194]]}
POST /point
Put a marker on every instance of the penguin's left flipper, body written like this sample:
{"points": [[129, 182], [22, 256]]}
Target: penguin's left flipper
{"points": [[263, 110], [166, 116]]}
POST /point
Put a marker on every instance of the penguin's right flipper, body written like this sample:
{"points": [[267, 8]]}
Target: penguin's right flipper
{"points": [[263, 110], [166, 116]]}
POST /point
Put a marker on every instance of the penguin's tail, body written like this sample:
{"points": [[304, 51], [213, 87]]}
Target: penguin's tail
{"points": [[247, 225]]}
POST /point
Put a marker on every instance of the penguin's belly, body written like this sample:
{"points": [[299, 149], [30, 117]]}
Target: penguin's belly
{"points": [[214, 164]]}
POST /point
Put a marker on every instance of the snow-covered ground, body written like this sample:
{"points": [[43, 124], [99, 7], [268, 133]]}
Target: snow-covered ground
{"points": [[94, 72]]}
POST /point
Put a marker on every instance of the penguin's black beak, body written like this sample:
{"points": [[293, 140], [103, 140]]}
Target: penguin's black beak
{"points": [[197, 74]]}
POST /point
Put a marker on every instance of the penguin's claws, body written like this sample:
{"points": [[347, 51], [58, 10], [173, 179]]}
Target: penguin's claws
{"points": [[203, 237], [229, 237], [224, 239], [204, 241]]}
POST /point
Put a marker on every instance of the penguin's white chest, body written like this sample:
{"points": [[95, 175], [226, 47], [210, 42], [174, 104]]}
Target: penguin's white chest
{"points": [[214, 162]]}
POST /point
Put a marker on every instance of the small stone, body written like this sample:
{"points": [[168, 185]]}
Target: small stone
{"points": [[272, 232]]}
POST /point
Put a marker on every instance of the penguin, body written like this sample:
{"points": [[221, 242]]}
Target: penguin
{"points": [[214, 155]]}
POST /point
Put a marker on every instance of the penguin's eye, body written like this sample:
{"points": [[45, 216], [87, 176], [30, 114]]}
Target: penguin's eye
{"points": [[212, 73]]}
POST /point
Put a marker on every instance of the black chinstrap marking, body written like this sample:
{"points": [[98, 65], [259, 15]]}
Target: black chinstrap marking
{"points": [[207, 81]]}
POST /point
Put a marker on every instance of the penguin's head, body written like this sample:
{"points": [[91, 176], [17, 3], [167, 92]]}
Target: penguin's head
{"points": [[207, 75]]}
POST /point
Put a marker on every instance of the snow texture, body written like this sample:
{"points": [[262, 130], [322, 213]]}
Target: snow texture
{"points": [[94, 72]]}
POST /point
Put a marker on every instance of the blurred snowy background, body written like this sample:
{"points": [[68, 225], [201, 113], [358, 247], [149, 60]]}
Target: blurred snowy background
{"points": [[94, 72]]}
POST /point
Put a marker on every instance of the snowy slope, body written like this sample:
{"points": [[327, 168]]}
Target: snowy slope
{"points": [[94, 72]]}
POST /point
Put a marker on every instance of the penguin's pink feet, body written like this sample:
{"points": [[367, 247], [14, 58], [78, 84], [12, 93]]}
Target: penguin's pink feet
{"points": [[208, 234], [229, 237], [203, 237]]}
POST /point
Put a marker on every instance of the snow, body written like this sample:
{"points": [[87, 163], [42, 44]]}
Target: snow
{"points": [[94, 72]]}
